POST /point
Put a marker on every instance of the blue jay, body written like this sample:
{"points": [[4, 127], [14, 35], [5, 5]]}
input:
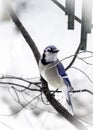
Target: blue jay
{"points": [[52, 70]]}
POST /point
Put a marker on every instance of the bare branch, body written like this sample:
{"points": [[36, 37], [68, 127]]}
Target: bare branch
{"points": [[83, 90], [3, 123], [91, 56], [84, 61], [21, 79], [83, 73], [28, 87], [18, 99], [86, 57], [74, 58], [22, 86]]}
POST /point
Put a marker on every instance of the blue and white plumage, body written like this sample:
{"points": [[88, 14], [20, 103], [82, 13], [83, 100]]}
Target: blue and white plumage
{"points": [[53, 71]]}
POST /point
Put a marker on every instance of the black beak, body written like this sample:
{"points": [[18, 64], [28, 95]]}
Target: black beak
{"points": [[55, 51]]}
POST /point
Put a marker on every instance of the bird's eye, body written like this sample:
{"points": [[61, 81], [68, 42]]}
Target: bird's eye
{"points": [[49, 50]]}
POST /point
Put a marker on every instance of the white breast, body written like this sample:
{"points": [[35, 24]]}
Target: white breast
{"points": [[50, 74]]}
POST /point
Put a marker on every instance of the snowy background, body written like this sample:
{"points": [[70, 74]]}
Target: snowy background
{"points": [[47, 24]]}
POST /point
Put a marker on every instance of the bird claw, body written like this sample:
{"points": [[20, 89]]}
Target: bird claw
{"points": [[53, 94]]}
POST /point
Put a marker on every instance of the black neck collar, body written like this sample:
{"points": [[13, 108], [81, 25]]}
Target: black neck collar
{"points": [[44, 62]]}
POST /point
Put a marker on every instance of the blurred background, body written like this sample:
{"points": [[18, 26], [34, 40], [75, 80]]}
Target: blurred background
{"points": [[47, 24]]}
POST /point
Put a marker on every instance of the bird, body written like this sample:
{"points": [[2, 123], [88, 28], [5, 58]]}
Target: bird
{"points": [[53, 71]]}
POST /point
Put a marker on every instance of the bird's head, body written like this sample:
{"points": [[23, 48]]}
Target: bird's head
{"points": [[50, 54]]}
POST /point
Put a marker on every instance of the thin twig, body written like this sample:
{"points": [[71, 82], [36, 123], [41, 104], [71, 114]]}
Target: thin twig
{"points": [[19, 78], [80, 52], [74, 58], [84, 61], [25, 106], [22, 86], [83, 90], [18, 99], [3, 123], [26, 87], [82, 73]]}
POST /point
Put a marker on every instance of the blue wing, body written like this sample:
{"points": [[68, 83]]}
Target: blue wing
{"points": [[62, 73]]}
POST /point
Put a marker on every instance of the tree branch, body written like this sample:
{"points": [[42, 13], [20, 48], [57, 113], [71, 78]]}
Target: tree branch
{"points": [[74, 58], [56, 105], [19, 78], [82, 73], [19, 85], [83, 90]]}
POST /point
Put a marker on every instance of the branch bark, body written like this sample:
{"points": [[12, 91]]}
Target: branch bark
{"points": [[56, 105]]}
